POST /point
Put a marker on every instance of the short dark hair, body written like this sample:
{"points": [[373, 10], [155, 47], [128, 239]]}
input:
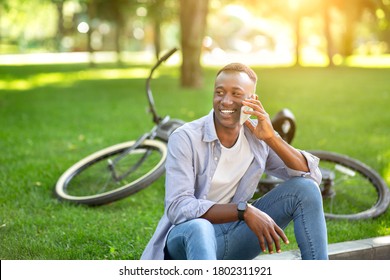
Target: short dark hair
{"points": [[239, 67]]}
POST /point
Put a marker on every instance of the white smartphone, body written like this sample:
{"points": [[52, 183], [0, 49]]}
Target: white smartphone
{"points": [[243, 116]]}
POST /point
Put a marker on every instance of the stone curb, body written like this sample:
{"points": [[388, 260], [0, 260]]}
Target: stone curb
{"points": [[377, 248]]}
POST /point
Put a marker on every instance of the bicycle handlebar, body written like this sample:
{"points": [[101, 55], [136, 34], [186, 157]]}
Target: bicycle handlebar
{"points": [[149, 94], [167, 55]]}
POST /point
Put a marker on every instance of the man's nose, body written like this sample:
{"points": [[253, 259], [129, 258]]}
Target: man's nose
{"points": [[227, 99]]}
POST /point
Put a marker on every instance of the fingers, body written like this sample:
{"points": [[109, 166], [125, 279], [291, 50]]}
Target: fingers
{"points": [[271, 240], [262, 244], [254, 104], [267, 231], [280, 232], [267, 242], [258, 109], [263, 129]]}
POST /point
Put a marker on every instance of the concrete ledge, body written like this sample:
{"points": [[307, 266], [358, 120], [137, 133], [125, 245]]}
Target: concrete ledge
{"points": [[377, 248]]}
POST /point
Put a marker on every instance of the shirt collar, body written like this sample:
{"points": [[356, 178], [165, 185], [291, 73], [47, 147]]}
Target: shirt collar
{"points": [[210, 134]]}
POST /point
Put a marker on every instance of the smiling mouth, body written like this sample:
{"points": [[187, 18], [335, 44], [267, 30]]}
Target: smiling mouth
{"points": [[227, 112]]}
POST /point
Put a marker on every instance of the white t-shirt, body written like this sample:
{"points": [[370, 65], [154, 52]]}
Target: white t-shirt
{"points": [[231, 167]]}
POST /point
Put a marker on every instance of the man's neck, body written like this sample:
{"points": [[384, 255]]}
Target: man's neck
{"points": [[228, 137]]}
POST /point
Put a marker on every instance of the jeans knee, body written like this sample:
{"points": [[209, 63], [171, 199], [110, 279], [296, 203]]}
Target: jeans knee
{"points": [[308, 190], [203, 234], [201, 227], [194, 239]]}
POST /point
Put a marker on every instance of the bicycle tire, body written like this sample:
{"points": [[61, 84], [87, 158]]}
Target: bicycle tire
{"points": [[357, 188], [79, 183]]}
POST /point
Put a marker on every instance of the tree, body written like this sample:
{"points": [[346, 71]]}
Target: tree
{"points": [[292, 12], [383, 14], [113, 11], [193, 22], [156, 13], [350, 10], [353, 11], [300, 9], [60, 23], [327, 31]]}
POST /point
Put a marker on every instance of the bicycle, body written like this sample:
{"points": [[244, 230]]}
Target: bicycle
{"points": [[123, 169], [350, 189]]}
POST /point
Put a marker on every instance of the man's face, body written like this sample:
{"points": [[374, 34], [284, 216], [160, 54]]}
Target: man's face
{"points": [[230, 89]]}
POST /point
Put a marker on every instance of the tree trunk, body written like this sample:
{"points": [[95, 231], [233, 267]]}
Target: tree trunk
{"points": [[327, 31], [352, 13], [91, 16], [118, 45], [119, 23], [297, 30], [349, 35], [193, 14], [157, 37], [60, 25], [156, 12]]}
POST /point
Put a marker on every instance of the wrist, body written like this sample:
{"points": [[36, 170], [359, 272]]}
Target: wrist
{"points": [[272, 138], [275, 141], [241, 209]]}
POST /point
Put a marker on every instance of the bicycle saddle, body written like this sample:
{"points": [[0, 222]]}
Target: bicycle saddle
{"points": [[165, 129], [284, 123]]}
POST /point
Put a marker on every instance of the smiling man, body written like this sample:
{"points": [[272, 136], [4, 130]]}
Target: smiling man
{"points": [[213, 167]]}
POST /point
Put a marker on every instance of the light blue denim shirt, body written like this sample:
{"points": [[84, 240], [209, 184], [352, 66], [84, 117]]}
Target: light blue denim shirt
{"points": [[193, 154]]}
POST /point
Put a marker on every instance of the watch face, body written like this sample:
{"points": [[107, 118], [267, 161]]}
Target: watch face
{"points": [[241, 206]]}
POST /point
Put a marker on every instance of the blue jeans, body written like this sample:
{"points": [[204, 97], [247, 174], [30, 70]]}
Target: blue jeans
{"points": [[298, 200]]}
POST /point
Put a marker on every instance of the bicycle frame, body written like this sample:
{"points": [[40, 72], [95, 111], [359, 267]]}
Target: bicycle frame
{"points": [[163, 128], [152, 108]]}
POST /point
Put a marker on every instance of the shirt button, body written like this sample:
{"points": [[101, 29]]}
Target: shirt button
{"points": [[215, 158]]}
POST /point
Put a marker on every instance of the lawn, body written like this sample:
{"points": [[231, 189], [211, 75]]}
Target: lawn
{"points": [[52, 115]]}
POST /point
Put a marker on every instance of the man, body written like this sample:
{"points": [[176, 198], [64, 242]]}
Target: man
{"points": [[212, 170]]}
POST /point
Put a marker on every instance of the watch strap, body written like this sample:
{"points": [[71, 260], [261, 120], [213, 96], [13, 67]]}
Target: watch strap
{"points": [[241, 207]]}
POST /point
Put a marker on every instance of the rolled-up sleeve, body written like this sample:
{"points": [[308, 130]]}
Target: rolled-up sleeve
{"points": [[277, 168], [314, 171], [181, 202]]}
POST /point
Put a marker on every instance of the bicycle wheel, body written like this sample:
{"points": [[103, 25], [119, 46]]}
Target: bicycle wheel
{"points": [[350, 189], [90, 181]]}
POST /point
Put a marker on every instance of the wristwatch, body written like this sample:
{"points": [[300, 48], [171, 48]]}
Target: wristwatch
{"points": [[241, 207]]}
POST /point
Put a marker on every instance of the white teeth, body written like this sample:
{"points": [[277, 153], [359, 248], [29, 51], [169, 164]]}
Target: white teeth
{"points": [[227, 111]]}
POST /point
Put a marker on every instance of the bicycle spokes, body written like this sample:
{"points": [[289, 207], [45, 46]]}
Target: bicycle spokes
{"points": [[346, 192], [139, 156], [104, 176]]}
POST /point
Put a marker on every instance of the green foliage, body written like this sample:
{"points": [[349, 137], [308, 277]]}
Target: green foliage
{"points": [[27, 20], [52, 115]]}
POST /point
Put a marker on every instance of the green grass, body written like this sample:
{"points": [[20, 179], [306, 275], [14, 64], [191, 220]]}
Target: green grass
{"points": [[52, 115]]}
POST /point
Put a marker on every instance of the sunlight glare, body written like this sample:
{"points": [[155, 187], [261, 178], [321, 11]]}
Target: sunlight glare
{"points": [[238, 11], [83, 27], [66, 79], [372, 61]]}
